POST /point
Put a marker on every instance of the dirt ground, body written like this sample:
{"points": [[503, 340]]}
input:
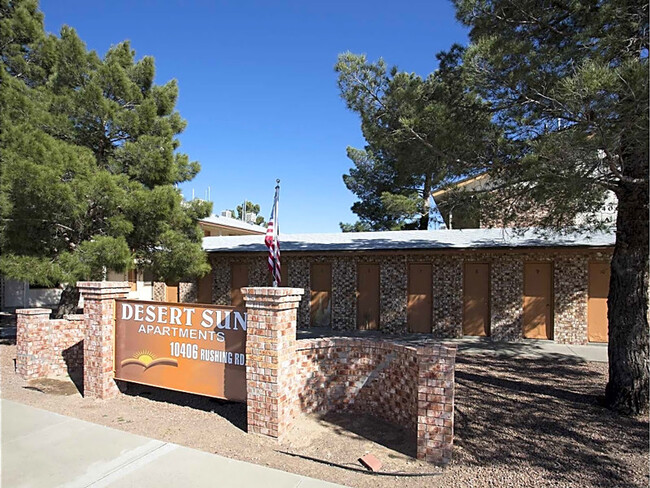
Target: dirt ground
{"points": [[518, 423]]}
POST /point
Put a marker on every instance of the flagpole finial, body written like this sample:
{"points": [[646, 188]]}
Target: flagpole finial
{"points": [[277, 181]]}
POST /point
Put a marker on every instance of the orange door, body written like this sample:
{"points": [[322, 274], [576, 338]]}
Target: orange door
{"points": [[419, 304], [204, 294], [238, 279], [538, 301], [320, 306], [368, 296], [476, 299], [597, 302], [171, 293]]}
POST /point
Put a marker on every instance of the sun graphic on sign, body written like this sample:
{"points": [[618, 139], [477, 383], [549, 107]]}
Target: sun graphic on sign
{"points": [[144, 356], [148, 359]]}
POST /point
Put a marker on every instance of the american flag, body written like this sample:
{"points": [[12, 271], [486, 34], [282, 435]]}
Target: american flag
{"points": [[271, 239]]}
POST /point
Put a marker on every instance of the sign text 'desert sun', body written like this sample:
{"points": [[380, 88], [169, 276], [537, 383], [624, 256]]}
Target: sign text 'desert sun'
{"points": [[187, 347]]}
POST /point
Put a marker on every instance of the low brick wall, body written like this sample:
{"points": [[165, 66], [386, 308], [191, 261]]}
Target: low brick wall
{"points": [[406, 385], [67, 335], [51, 347], [371, 376], [48, 347]]}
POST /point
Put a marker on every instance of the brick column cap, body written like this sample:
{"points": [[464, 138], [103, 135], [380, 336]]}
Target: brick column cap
{"points": [[270, 297], [270, 291], [33, 311], [108, 289]]}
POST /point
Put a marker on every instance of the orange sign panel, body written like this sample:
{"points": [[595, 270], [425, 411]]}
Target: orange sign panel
{"points": [[187, 347]]}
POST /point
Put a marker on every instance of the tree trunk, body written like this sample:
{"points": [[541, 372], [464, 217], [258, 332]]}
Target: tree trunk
{"points": [[627, 390], [423, 224], [68, 303]]}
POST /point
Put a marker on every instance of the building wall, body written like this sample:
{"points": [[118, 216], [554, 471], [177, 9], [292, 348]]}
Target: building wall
{"points": [[141, 287], [18, 294], [570, 284]]}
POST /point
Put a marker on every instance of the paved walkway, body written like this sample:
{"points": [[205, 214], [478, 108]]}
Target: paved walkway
{"points": [[534, 349], [43, 449], [527, 348]]}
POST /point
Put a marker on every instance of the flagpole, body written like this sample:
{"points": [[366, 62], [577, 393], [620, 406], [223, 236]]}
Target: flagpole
{"points": [[276, 227]]}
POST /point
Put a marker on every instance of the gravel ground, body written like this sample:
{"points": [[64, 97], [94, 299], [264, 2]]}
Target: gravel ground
{"points": [[518, 423]]}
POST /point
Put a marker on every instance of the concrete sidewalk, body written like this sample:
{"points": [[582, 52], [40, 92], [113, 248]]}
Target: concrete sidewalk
{"points": [[527, 348], [44, 449], [533, 349]]}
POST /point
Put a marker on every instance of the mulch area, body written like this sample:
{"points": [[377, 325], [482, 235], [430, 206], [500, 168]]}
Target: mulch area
{"points": [[519, 422]]}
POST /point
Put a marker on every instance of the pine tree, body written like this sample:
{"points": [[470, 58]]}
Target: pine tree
{"points": [[89, 162], [420, 133], [568, 83]]}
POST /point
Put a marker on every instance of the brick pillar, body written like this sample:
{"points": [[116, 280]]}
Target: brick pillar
{"points": [[435, 433], [270, 358], [33, 351], [99, 313]]}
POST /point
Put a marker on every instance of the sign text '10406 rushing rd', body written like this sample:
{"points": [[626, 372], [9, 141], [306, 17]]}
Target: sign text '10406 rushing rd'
{"points": [[187, 347]]}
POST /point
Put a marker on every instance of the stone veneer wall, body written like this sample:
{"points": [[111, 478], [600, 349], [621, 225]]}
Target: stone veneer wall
{"points": [[506, 298], [571, 279], [188, 292], [48, 347], [344, 302], [159, 291], [257, 275], [258, 272], [299, 277], [393, 282], [448, 296], [570, 282], [222, 277]]}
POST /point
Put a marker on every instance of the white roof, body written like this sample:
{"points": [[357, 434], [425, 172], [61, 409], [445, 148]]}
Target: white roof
{"points": [[411, 239], [235, 223]]}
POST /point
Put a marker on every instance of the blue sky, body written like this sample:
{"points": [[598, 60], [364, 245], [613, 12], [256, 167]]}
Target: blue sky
{"points": [[258, 89]]}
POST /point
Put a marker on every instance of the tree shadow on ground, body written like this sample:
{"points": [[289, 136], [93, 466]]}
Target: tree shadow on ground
{"points": [[233, 412], [543, 414]]}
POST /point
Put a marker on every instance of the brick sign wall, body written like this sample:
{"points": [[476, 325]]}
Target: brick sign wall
{"points": [[407, 385]]}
